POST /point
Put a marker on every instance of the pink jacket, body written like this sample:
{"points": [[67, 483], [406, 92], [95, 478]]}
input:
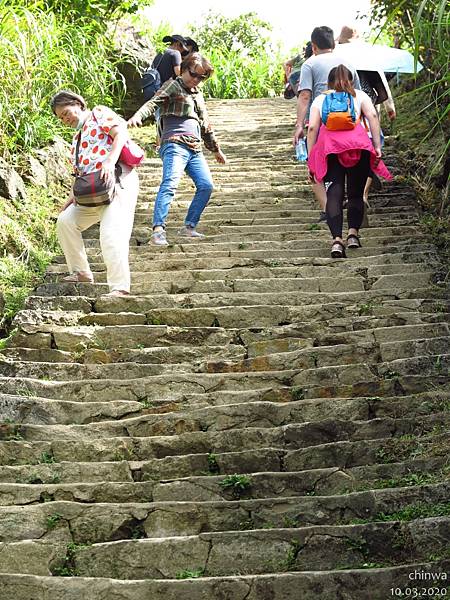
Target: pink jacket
{"points": [[347, 145]]}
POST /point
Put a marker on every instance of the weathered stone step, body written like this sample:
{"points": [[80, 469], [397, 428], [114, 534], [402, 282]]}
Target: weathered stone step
{"points": [[260, 285], [165, 436], [281, 227], [213, 488], [139, 363], [36, 410], [368, 452], [174, 282], [313, 284], [377, 307], [248, 316], [319, 482], [316, 547], [347, 381], [167, 262], [96, 523], [140, 355], [373, 583], [313, 244], [320, 548], [20, 409], [337, 324], [102, 492]]}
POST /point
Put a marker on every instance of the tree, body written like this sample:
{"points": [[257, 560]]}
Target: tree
{"points": [[96, 11], [246, 33]]}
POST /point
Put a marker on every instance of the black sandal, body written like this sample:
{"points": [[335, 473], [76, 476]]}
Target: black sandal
{"points": [[338, 250], [353, 241]]}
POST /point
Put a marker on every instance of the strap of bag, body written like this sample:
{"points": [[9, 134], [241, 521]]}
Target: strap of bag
{"points": [[154, 66], [77, 150]]}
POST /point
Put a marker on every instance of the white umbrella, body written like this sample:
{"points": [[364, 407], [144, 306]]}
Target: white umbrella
{"points": [[366, 57]]}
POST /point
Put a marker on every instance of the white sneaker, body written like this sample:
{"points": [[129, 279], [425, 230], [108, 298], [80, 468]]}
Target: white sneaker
{"points": [[187, 231], [159, 238]]}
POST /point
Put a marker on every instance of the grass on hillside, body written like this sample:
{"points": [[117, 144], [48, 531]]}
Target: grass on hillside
{"points": [[422, 150], [28, 242]]}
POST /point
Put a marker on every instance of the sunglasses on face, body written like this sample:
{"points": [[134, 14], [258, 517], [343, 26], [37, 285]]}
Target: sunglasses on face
{"points": [[195, 75]]}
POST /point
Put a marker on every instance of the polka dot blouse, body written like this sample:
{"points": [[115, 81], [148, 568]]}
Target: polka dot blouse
{"points": [[95, 143]]}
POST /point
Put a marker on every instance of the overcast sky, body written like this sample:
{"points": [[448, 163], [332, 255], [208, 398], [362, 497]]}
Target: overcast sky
{"points": [[292, 21]]}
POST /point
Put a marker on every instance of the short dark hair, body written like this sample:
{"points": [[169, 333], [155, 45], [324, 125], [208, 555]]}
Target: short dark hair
{"points": [[197, 59], [323, 37], [67, 98]]}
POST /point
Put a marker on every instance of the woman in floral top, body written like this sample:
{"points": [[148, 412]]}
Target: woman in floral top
{"points": [[185, 123], [101, 134]]}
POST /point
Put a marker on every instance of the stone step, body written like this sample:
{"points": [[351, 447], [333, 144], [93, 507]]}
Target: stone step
{"points": [[320, 548], [165, 436], [217, 487], [311, 244], [140, 355], [326, 382], [374, 583], [80, 329], [263, 551], [174, 282], [21, 410], [102, 365], [96, 523], [162, 261], [241, 213]]}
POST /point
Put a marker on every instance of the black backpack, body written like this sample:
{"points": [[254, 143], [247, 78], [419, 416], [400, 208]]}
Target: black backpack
{"points": [[151, 81]]}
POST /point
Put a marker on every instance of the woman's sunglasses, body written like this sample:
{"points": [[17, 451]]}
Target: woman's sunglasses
{"points": [[195, 75]]}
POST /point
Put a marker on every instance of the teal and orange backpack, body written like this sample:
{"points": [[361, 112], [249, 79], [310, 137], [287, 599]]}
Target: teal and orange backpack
{"points": [[338, 111]]}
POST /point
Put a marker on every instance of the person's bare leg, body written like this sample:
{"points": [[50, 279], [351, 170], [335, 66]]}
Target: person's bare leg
{"points": [[320, 194], [367, 190]]}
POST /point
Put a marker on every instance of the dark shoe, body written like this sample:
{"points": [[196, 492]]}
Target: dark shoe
{"points": [[353, 241], [322, 217], [338, 250]]}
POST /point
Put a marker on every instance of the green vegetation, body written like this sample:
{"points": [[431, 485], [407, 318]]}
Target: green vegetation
{"points": [[46, 458], [36, 42], [53, 520], [10, 430], [190, 574], [411, 479], [416, 511], [298, 393], [237, 484], [246, 63], [357, 544], [28, 241], [213, 465], [68, 568], [292, 554], [423, 106]]}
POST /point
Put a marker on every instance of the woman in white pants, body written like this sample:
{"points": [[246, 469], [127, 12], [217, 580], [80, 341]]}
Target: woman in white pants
{"points": [[101, 135]]}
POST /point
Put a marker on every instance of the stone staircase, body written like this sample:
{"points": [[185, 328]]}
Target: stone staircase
{"points": [[257, 421]]}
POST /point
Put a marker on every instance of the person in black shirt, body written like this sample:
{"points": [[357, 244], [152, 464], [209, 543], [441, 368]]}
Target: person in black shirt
{"points": [[168, 63]]}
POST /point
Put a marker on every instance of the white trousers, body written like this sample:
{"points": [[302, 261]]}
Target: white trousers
{"points": [[116, 223]]}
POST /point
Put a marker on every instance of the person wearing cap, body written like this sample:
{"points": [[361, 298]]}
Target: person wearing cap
{"points": [[191, 45], [168, 63]]}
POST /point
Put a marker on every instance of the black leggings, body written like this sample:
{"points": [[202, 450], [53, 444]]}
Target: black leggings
{"points": [[334, 185]]}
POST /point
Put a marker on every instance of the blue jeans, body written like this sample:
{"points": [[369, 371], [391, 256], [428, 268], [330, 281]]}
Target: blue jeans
{"points": [[178, 158]]}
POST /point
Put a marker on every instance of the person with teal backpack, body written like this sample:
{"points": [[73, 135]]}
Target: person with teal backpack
{"points": [[338, 111], [341, 154]]}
